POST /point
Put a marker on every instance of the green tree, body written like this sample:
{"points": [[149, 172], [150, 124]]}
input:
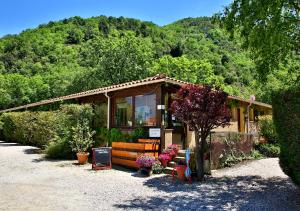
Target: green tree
{"points": [[270, 29], [47, 61], [117, 60], [191, 70], [104, 27], [74, 36]]}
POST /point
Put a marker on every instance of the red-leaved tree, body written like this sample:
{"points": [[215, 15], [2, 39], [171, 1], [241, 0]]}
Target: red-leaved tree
{"points": [[202, 108]]}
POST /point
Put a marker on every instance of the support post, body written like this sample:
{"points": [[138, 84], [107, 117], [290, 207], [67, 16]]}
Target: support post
{"points": [[108, 109], [248, 113], [108, 112]]}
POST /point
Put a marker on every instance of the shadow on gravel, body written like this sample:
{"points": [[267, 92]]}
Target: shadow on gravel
{"points": [[122, 168], [242, 193], [44, 159], [8, 144], [32, 151]]}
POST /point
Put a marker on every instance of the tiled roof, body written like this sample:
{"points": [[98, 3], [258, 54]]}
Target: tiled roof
{"points": [[151, 80]]}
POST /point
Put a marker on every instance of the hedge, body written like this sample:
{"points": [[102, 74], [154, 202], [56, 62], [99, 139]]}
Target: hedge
{"points": [[44, 128], [286, 116], [33, 128]]}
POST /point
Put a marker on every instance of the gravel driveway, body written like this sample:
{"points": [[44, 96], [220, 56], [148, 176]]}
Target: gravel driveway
{"points": [[29, 182]]}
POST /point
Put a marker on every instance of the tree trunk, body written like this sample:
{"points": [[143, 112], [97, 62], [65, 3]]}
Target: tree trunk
{"points": [[199, 156]]}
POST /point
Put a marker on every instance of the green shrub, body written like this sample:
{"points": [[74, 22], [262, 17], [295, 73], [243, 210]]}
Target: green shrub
{"points": [[100, 115], [231, 159], [106, 137], [138, 133], [1, 127], [78, 113], [115, 135], [82, 137], [10, 125], [102, 138], [267, 129], [286, 116], [59, 149], [44, 128], [268, 150], [33, 128], [255, 154]]}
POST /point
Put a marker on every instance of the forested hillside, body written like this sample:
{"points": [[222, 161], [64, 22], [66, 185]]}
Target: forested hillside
{"points": [[77, 54]]}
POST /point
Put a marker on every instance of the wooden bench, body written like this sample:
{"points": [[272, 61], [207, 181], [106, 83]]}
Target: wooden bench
{"points": [[125, 154]]}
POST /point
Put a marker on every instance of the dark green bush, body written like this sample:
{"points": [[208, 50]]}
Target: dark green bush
{"points": [[116, 135], [255, 154], [106, 137], [268, 150], [101, 137], [1, 128], [267, 129], [138, 133], [59, 149], [286, 116]]}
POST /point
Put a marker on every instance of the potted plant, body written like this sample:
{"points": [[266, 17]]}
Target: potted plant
{"points": [[164, 159], [174, 148], [145, 163], [172, 154], [180, 169], [81, 141], [157, 168]]}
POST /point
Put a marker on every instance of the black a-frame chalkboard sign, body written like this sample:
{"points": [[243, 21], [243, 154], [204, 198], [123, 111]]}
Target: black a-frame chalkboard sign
{"points": [[101, 158]]}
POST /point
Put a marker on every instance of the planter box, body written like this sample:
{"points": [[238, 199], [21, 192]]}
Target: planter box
{"points": [[125, 154]]}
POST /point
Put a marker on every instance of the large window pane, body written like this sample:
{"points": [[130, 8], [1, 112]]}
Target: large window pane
{"points": [[145, 110], [123, 112]]}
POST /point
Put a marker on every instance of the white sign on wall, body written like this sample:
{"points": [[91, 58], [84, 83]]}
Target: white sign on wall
{"points": [[154, 132], [160, 107]]}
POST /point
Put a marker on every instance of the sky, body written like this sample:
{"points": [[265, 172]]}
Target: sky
{"points": [[18, 15]]}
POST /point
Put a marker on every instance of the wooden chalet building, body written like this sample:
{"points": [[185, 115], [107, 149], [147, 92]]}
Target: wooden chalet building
{"points": [[145, 103]]}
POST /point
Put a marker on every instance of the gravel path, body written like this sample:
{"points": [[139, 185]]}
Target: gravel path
{"points": [[29, 182]]}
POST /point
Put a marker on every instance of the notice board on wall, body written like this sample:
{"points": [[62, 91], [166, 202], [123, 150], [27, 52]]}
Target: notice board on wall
{"points": [[154, 132]]}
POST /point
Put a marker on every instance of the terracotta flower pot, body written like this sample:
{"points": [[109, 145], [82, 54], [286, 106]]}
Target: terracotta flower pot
{"points": [[180, 169], [82, 157]]}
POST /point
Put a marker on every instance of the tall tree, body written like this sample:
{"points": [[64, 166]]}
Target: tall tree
{"points": [[270, 29], [117, 60], [202, 108]]}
